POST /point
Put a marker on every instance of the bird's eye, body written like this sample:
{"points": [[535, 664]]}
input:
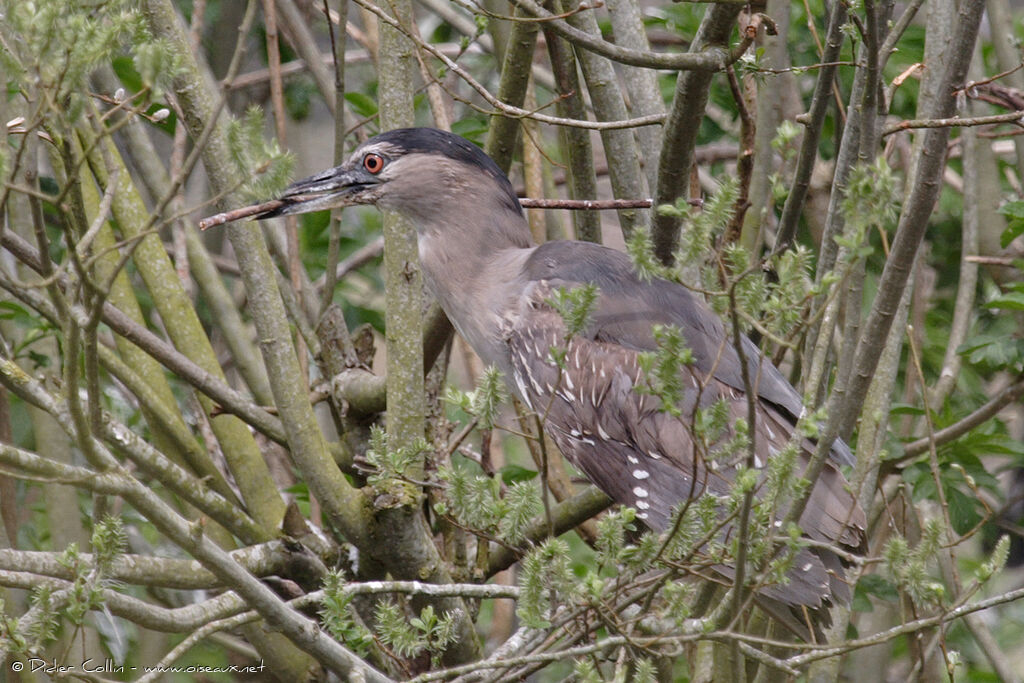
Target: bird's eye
{"points": [[373, 163]]}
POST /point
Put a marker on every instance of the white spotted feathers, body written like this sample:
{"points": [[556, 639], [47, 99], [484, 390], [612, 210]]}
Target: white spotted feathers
{"points": [[593, 400]]}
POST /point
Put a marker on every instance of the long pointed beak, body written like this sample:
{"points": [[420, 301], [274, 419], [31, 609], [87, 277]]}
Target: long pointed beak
{"points": [[331, 189]]}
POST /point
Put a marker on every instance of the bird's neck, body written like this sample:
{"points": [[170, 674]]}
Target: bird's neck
{"points": [[472, 271]]}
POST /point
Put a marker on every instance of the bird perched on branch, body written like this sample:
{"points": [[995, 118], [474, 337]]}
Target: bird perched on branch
{"points": [[497, 288]]}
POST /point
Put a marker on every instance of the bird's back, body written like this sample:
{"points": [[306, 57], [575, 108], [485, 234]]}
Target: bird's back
{"points": [[597, 404]]}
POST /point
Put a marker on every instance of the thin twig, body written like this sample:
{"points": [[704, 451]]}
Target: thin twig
{"points": [[956, 122], [500, 106]]}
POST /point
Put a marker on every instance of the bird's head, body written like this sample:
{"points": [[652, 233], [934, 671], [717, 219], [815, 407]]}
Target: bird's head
{"points": [[421, 172]]}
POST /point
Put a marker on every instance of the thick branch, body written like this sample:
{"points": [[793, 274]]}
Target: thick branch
{"points": [[684, 119], [844, 409], [564, 516], [812, 134], [273, 557], [715, 58], [913, 220], [978, 417]]}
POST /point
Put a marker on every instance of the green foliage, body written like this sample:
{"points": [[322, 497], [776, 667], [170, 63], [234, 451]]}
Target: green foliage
{"points": [[512, 474], [485, 401], [299, 96], [517, 509], [700, 227], [787, 135], [849, 31], [997, 561], [778, 305], [1014, 212], [575, 306], [470, 499], [35, 329], [157, 64], [645, 671], [108, 542], [663, 368], [545, 578], [584, 671], [1012, 299], [786, 143], [873, 585], [694, 522], [909, 566], [473, 128], [871, 202], [436, 632], [339, 616], [750, 289], [994, 352], [476, 501], [427, 632], [961, 472], [751, 64], [361, 104], [678, 596], [261, 162], [11, 639], [391, 465], [86, 591], [783, 305], [394, 631], [611, 536], [745, 480], [711, 422], [780, 476], [44, 627], [763, 550], [640, 248], [61, 43]]}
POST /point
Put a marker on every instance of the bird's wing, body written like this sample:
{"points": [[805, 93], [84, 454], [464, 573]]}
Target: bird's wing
{"points": [[628, 307], [592, 402]]}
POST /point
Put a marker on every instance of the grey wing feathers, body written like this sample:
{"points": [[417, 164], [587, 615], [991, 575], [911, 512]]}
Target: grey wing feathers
{"points": [[628, 307], [648, 459]]}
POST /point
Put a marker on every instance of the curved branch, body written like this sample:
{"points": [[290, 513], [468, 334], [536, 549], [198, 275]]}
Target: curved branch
{"points": [[714, 58], [564, 516], [129, 444], [273, 557], [500, 106], [954, 431]]}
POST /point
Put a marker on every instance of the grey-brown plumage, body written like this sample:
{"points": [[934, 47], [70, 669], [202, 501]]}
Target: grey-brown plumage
{"points": [[479, 262]]}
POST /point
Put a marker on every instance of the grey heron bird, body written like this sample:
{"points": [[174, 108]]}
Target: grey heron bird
{"points": [[496, 286]]}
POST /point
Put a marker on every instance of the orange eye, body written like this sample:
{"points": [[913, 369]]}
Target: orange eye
{"points": [[373, 163]]}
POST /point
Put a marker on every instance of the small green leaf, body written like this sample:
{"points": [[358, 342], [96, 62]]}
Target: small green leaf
{"points": [[878, 586], [511, 474], [361, 104], [39, 360], [124, 67], [1011, 301], [963, 510], [473, 128], [861, 603], [1014, 211], [905, 409], [575, 306], [993, 352]]}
